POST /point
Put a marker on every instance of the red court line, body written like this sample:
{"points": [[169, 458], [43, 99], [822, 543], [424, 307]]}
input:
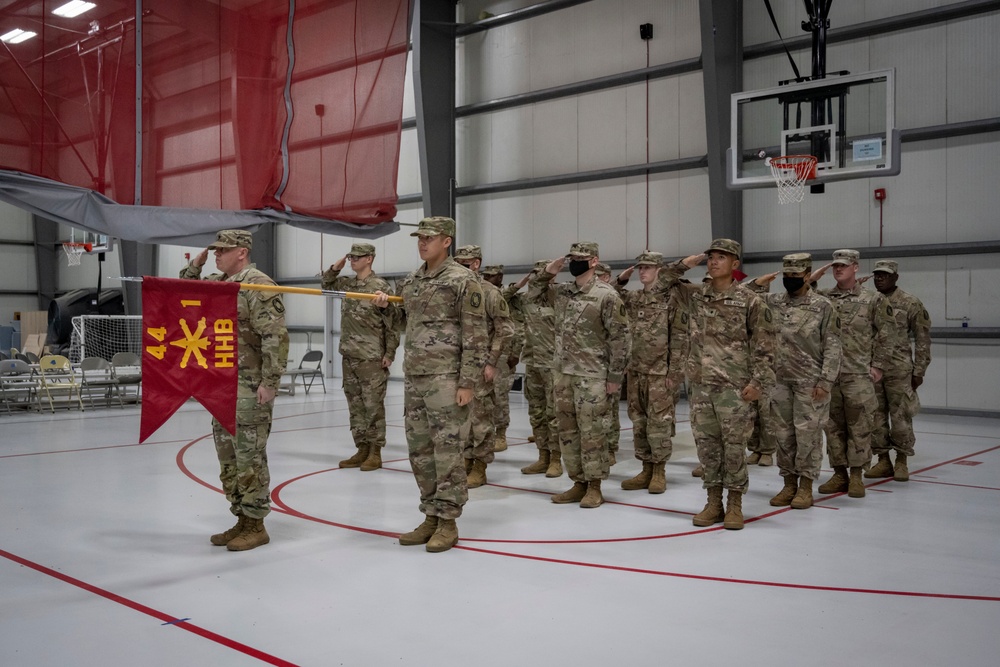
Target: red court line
{"points": [[149, 611], [964, 486], [92, 449], [724, 580]]}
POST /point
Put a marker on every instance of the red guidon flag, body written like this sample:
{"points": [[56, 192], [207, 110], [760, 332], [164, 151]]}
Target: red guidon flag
{"points": [[188, 349]]}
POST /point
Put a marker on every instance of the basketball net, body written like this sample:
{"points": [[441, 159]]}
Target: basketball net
{"points": [[74, 252], [790, 174]]}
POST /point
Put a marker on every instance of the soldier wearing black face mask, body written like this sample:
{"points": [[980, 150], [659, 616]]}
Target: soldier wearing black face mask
{"points": [[807, 361]]}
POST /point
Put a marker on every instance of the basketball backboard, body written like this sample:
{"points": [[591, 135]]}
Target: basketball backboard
{"points": [[847, 122]]}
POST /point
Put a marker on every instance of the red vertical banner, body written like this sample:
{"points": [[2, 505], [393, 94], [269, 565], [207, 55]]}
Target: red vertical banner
{"points": [[189, 348]]}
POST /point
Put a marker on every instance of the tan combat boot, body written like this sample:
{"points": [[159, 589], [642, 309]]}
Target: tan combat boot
{"points": [[766, 460], [468, 465], [574, 495], [555, 465], [856, 485], [699, 471], [836, 484], [373, 461], [784, 497], [421, 533], [881, 469], [612, 460], [640, 481], [356, 460], [713, 512], [804, 496], [539, 466], [444, 538], [500, 441], [753, 458], [658, 484], [222, 539], [593, 497], [901, 471], [734, 511], [477, 477], [254, 535]]}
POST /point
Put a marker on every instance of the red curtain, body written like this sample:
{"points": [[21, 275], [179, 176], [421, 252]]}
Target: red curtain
{"points": [[226, 122]]}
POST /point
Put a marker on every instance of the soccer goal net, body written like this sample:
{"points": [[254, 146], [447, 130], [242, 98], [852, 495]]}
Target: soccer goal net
{"points": [[104, 336]]}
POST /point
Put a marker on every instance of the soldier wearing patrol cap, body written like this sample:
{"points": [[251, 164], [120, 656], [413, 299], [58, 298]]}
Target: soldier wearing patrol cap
{"points": [[896, 392], [655, 370], [444, 354], [482, 433], [866, 328], [592, 347], [729, 365], [539, 374], [807, 361], [263, 351], [493, 274], [367, 349]]}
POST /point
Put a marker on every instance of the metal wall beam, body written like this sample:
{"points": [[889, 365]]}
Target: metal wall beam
{"points": [[434, 90], [891, 252], [516, 15], [46, 259], [722, 67], [136, 259]]}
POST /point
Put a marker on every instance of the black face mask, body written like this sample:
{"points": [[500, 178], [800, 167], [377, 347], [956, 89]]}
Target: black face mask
{"points": [[578, 267], [793, 284]]}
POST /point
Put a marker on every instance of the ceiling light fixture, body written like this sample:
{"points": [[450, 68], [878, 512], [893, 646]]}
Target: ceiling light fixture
{"points": [[16, 36], [74, 8]]}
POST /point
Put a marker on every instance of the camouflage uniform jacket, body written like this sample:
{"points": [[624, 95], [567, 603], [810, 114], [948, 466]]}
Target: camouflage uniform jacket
{"points": [[445, 321], [866, 328], [515, 302], [652, 315], [539, 328], [807, 339], [262, 337], [913, 320], [498, 323], [592, 333], [363, 332], [731, 334]]}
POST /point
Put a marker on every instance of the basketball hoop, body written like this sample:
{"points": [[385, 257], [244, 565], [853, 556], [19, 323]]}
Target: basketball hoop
{"points": [[790, 174], [74, 251]]}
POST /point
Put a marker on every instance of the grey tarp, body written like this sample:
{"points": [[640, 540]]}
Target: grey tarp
{"points": [[93, 212]]}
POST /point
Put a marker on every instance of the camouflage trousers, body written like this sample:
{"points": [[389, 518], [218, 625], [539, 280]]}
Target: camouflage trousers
{"points": [[721, 422], [364, 387], [436, 430], [244, 474], [539, 385], [762, 438], [503, 381], [898, 404], [581, 409], [482, 431], [651, 401], [849, 429], [797, 422]]}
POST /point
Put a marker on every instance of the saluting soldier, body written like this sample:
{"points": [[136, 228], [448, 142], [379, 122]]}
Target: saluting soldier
{"points": [[896, 392], [443, 358], [592, 348], [367, 350], [263, 353]]}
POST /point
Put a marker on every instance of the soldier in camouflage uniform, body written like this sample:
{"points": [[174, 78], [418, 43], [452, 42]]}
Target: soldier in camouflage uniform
{"points": [[603, 273], [729, 365], [806, 366], [482, 431], [896, 392], [444, 354], [539, 375], [493, 274], [592, 348], [367, 349], [654, 376], [866, 328], [263, 351]]}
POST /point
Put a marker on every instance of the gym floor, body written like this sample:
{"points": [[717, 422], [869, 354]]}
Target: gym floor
{"points": [[105, 558]]}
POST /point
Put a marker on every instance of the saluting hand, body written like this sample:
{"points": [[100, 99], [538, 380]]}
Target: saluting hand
{"points": [[694, 260], [200, 258], [818, 273], [555, 266], [766, 279], [863, 279], [339, 264], [624, 276]]}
